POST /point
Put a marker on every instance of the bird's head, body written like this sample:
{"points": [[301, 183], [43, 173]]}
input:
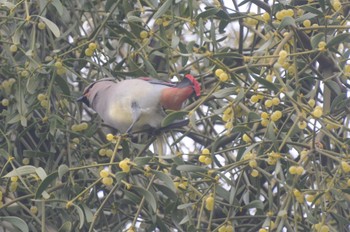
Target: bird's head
{"points": [[189, 80]]}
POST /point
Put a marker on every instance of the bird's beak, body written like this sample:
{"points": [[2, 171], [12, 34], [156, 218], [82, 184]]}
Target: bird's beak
{"points": [[83, 99]]}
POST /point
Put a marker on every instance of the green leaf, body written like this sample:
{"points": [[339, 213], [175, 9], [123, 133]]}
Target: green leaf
{"points": [[52, 26], [58, 5], [89, 216], [62, 169], [81, 215], [166, 180], [286, 22], [316, 39], [66, 227], [22, 171], [340, 219], [252, 116], [148, 197], [62, 83], [311, 9], [172, 117], [306, 16], [32, 84], [184, 206], [41, 173], [141, 161], [340, 38], [191, 168], [16, 222], [221, 93], [45, 184], [207, 13], [266, 83], [161, 11], [240, 129]]}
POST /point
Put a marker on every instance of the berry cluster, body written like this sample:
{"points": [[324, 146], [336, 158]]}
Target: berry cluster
{"points": [[91, 49], [125, 165], [205, 157]]}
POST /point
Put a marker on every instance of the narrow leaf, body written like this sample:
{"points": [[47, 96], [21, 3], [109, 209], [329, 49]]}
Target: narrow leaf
{"points": [[148, 196], [16, 222], [21, 171], [52, 26]]}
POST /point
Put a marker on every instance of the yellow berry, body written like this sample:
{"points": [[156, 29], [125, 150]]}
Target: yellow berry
{"points": [[24, 73], [44, 103], [310, 198], [108, 181], [253, 163], [102, 152], [13, 186], [302, 125], [92, 46], [254, 173], [299, 170], [202, 158], [266, 17], [14, 178], [109, 153], [268, 103], [322, 45], [61, 71], [296, 193], [269, 78], [76, 140], [275, 101], [13, 48], [74, 127], [307, 23], [5, 102], [345, 166], [262, 230], [34, 209], [143, 34], [25, 161], [58, 64], [283, 54], [84, 126], [222, 229], [41, 97], [324, 228], [264, 122], [290, 12], [246, 138], [317, 113], [89, 52], [271, 161], [293, 170], [205, 151], [218, 72], [209, 203], [254, 98], [229, 228], [125, 165], [264, 115], [109, 137], [336, 5], [311, 102], [41, 25], [275, 116], [223, 77], [279, 15], [104, 173], [207, 160]]}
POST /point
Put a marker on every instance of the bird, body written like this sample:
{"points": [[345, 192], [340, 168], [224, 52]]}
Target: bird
{"points": [[136, 104]]}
